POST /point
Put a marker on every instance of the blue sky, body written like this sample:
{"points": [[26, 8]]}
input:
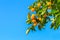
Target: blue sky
{"points": [[13, 22]]}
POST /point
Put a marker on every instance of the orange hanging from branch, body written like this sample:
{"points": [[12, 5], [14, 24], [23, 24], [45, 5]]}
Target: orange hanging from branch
{"points": [[39, 4], [32, 9], [48, 3], [33, 16]]}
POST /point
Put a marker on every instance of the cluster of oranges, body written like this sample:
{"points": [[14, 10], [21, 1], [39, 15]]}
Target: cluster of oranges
{"points": [[33, 15], [38, 5], [34, 19]]}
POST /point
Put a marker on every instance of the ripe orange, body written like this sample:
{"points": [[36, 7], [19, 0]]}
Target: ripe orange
{"points": [[32, 9], [39, 4], [35, 24], [34, 21], [33, 16]]}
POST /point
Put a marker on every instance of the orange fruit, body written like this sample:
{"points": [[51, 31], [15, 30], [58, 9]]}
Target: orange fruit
{"points": [[48, 3], [39, 4], [34, 21], [35, 24], [32, 9], [33, 16]]}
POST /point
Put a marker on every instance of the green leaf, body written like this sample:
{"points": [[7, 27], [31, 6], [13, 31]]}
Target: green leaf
{"points": [[58, 1], [39, 27], [29, 16], [28, 30], [33, 28], [53, 11], [28, 21], [30, 7], [52, 25]]}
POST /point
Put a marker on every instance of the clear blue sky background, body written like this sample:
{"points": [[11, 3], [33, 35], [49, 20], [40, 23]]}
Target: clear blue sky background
{"points": [[13, 22]]}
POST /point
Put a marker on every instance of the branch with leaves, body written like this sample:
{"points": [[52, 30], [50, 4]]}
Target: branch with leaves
{"points": [[44, 10]]}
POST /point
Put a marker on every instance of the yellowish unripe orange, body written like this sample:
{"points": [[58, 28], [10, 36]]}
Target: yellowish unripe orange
{"points": [[40, 19], [48, 3], [32, 9], [39, 4]]}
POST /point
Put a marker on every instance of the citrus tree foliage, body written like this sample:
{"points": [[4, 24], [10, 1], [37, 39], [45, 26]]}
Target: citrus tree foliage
{"points": [[44, 10]]}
